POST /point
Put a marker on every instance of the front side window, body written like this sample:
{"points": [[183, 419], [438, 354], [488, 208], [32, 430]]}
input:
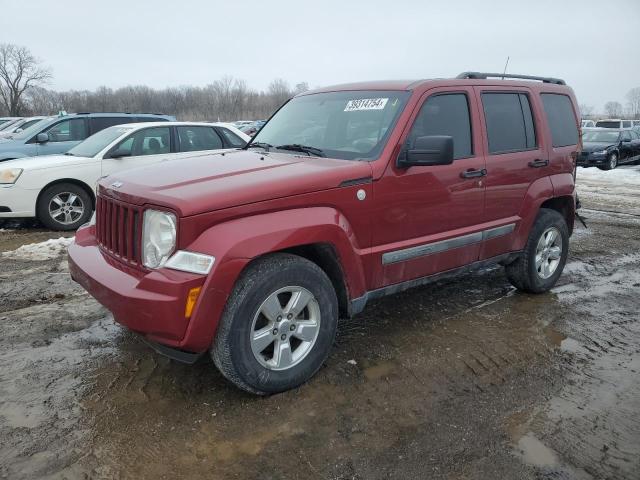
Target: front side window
{"points": [[509, 122], [348, 125], [193, 139], [562, 120], [445, 114], [608, 124], [72, 130], [626, 124], [149, 141], [97, 142]]}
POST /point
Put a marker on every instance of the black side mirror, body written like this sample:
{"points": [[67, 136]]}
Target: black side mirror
{"points": [[118, 153], [42, 138], [428, 150]]}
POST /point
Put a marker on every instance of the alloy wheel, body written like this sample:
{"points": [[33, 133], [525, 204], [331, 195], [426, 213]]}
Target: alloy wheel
{"points": [[548, 252], [285, 328], [66, 208]]}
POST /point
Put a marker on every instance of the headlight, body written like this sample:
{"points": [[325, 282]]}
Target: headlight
{"points": [[10, 175], [158, 237], [600, 152], [191, 262]]}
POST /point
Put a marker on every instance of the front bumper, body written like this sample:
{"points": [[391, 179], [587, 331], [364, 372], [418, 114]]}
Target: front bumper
{"points": [[150, 303], [17, 202], [588, 159]]}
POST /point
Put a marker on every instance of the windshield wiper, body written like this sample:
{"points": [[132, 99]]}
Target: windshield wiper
{"points": [[296, 147], [264, 145]]}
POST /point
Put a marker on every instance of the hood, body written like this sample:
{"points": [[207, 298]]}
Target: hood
{"points": [[209, 182], [45, 161], [596, 146]]}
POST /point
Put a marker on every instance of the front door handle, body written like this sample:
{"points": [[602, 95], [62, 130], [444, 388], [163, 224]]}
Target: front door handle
{"points": [[539, 163], [471, 173]]}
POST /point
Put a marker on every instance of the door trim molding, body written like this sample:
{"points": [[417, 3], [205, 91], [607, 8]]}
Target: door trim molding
{"points": [[431, 248]]}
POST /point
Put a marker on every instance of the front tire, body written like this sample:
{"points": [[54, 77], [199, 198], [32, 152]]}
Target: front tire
{"points": [[544, 255], [612, 162], [64, 206], [278, 326]]}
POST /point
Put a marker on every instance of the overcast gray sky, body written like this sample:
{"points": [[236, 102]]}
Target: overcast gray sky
{"points": [[591, 44]]}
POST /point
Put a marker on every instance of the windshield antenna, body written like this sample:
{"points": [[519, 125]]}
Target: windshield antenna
{"points": [[505, 67]]}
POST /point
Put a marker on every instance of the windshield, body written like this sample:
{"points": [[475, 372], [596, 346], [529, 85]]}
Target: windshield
{"points": [[97, 142], [33, 129], [600, 137], [350, 125]]}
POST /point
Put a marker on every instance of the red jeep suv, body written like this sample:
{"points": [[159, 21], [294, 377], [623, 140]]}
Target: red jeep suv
{"points": [[348, 193]]}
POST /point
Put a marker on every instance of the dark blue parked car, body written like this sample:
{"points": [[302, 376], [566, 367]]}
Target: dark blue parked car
{"points": [[60, 134]]}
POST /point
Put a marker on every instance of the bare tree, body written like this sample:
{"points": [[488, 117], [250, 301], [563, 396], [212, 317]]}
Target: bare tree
{"points": [[613, 109], [19, 71], [633, 102], [279, 91], [586, 110], [301, 87]]}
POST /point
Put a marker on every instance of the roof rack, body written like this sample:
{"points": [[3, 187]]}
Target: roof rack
{"points": [[484, 76]]}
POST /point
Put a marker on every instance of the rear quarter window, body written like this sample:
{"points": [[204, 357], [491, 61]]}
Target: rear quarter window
{"points": [[561, 118]]}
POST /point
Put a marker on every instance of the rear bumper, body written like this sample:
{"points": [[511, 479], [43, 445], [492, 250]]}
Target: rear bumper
{"points": [[149, 303]]}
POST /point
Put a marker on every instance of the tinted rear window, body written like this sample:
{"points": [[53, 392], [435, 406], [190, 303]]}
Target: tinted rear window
{"points": [[100, 123], [509, 122], [608, 124], [562, 119]]}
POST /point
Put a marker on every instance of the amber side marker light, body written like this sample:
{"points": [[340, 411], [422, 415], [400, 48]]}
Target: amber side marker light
{"points": [[192, 298]]}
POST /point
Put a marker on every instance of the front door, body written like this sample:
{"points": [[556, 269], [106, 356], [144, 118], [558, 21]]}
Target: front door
{"points": [[63, 136], [427, 218], [143, 147]]}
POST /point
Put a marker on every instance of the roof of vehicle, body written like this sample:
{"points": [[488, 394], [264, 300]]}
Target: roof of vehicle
{"points": [[110, 114], [465, 78], [178, 124]]}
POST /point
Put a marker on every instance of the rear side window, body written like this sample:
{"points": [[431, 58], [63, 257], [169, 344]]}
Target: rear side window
{"points": [[445, 114], [509, 122], [626, 124], [151, 119], [193, 139], [232, 138], [608, 124], [100, 123], [562, 120]]}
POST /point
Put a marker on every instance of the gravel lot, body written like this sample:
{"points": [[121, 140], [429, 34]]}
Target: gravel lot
{"points": [[464, 379]]}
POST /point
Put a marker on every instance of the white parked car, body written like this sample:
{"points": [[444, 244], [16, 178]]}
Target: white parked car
{"points": [[19, 126], [59, 189]]}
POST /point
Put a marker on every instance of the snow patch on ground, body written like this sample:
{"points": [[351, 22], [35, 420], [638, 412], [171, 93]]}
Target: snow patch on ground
{"points": [[625, 175], [40, 251]]}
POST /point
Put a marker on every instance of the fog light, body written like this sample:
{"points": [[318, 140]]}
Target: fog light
{"points": [[192, 298]]}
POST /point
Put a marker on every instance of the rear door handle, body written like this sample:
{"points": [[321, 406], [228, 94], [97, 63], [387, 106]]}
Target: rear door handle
{"points": [[539, 163], [471, 173]]}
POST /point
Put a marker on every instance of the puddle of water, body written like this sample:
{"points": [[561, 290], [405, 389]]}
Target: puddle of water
{"points": [[381, 370], [536, 453]]}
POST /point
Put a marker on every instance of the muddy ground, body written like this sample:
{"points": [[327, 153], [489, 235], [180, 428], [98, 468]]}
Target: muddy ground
{"points": [[465, 379]]}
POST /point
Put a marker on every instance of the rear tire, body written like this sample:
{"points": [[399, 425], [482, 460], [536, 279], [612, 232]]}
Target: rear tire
{"points": [[278, 326], [64, 206], [544, 255]]}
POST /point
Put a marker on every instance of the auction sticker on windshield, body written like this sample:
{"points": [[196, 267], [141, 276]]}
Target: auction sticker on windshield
{"points": [[366, 104]]}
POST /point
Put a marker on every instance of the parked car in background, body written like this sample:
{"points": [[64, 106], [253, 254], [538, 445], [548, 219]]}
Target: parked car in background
{"points": [[347, 194], [241, 123], [60, 134], [606, 148], [58, 189], [588, 123], [614, 123], [6, 122], [19, 126]]}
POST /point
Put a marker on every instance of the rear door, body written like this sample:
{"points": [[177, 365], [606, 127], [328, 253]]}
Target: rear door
{"points": [[627, 149], [428, 218], [63, 136], [143, 147], [515, 158]]}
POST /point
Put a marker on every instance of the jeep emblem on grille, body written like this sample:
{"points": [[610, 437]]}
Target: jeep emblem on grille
{"points": [[117, 184]]}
